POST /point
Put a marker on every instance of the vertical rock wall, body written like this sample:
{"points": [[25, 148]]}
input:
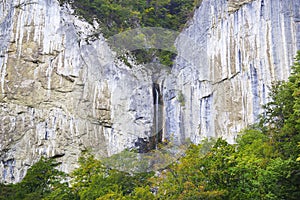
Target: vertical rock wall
{"points": [[228, 57], [62, 91]]}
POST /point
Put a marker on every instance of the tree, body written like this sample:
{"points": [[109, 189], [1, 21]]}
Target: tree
{"points": [[93, 180], [6, 192], [201, 174], [121, 15], [41, 179], [282, 113]]}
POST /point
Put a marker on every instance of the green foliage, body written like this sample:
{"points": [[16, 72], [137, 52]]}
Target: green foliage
{"points": [[6, 192], [181, 99], [41, 179], [142, 193], [298, 159], [247, 170], [121, 15], [282, 113], [261, 165], [281, 179], [95, 181], [194, 177]]}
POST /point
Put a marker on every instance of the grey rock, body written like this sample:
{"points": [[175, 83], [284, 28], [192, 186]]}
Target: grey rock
{"points": [[63, 91], [226, 63]]}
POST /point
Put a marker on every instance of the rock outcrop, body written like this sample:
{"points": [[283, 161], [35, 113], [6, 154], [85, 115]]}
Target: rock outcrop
{"points": [[234, 5], [62, 90], [225, 70]]}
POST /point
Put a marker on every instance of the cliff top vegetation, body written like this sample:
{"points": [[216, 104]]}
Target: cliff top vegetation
{"points": [[115, 16]]}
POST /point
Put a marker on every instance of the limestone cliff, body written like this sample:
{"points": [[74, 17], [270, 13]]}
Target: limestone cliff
{"points": [[62, 90], [236, 49]]}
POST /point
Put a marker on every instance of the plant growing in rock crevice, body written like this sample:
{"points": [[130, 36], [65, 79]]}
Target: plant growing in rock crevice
{"points": [[181, 99]]}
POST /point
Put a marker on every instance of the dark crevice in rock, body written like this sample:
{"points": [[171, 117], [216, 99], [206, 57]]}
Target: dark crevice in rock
{"points": [[144, 145]]}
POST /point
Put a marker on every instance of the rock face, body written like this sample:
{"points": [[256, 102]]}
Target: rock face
{"points": [[63, 91], [234, 5], [224, 70]]}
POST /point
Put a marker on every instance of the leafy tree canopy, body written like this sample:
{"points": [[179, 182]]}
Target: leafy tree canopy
{"points": [[115, 16]]}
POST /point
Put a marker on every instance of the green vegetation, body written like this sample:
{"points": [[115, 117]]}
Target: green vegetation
{"points": [[180, 98], [282, 114], [116, 16], [263, 164], [38, 183]]}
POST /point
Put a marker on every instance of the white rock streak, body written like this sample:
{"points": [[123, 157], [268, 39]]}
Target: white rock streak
{"points": [[238, 55]]}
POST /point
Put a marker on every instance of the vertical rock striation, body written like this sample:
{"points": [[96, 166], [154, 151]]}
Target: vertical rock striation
{"points": [[62, 91], [228, 57]]}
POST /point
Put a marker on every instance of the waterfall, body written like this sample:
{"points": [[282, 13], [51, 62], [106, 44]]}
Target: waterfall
{"points": [[157, 132], [147, 144], [156, 102]]}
